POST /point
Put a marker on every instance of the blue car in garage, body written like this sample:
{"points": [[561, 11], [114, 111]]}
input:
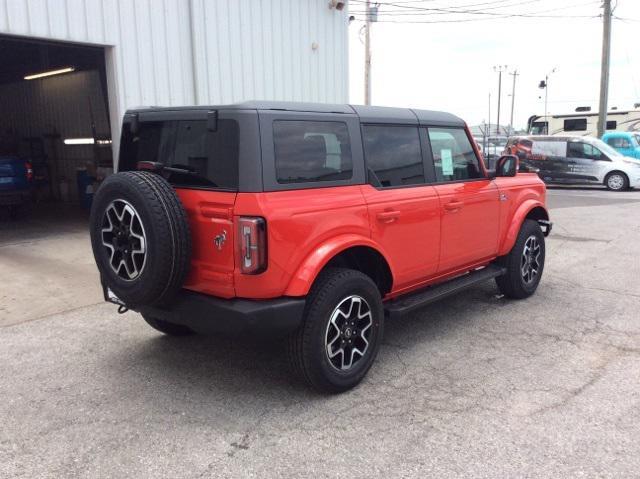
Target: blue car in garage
{"points": [[16, 184], [626, 142]]}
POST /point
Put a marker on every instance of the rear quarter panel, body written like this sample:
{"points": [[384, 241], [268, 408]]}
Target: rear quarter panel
{"points": [[299, 224]]}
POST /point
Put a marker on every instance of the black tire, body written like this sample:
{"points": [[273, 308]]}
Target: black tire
{"points": [[167, 328], [514, 283], [621, 182], [307, 347], [162, 223]]}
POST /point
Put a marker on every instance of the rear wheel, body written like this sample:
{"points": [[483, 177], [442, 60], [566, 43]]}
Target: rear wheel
{"points": [[524, 263], [340, 337], [167, 328], [616, 181]]}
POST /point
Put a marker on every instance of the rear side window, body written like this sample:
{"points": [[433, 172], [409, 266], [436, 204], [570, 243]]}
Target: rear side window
{"points": [[210, 159], [575, 124], [619, 142], [393, 155], [453, 155], [311, 151]]}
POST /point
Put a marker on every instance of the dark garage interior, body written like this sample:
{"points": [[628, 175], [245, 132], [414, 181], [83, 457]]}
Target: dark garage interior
{"points": [[55, 116]]}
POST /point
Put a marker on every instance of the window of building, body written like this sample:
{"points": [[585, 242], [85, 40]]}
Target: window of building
{"points": [[393, 155], [453, 155], [309, 151]]}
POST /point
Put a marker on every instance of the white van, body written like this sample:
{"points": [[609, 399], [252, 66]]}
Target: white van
{"points": [[575, 160]]}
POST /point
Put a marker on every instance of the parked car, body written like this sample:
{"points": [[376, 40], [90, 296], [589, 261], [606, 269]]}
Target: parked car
{"points": [[576, 160], [16, 184], [314, 222], [625, 142]]}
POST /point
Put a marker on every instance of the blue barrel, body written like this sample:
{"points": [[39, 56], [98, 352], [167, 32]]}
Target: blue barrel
{"points": [[85, 188]]}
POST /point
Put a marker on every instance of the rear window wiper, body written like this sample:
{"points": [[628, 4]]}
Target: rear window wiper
{"points": [[158, 167]]}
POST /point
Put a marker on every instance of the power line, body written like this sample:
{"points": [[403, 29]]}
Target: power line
{"points": [[393, 17]]}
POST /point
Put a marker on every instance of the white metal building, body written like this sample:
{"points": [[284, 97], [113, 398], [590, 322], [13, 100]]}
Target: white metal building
{"points": [[127, 53]]}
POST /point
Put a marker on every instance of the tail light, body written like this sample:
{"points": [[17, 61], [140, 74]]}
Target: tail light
{"points": [[252, 237], [29, 170]]}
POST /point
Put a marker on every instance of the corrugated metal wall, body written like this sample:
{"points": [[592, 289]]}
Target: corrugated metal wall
{"points": [[181, 52]]}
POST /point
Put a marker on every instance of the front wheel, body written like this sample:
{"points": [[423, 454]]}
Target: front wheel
{"points": [[524, 263], [616, 181], [340, 337]]}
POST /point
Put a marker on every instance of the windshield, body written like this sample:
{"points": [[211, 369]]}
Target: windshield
{"points": [[538, 128], [606, 149]]}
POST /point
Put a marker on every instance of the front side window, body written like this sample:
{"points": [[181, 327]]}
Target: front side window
{"points": [[453, 155], [393, 155], [583, 150], [209, 159], [310, 151]]}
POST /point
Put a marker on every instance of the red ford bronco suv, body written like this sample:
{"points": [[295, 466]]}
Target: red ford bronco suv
{"points": [[314, 222]]}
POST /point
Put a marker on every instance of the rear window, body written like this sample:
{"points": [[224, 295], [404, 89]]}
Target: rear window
{"points": [[311, 151], [209, 158]]}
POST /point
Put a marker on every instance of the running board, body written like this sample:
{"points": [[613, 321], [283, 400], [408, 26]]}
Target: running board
{"points": [[409, 303]]}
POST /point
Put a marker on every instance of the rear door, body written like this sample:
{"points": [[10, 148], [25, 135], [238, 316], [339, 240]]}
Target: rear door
{"points": [[403, 207], [468, 201], [207, 189]]}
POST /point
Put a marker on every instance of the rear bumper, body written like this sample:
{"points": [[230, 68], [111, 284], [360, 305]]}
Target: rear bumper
{"points": [[210, 315]]}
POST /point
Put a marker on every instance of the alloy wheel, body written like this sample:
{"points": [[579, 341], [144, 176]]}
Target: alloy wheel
{"points": [[124, 239], [530, 260], [348, 332], [615, 182]]}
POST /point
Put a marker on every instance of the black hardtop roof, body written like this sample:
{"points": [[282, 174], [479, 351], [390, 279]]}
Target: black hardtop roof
{"points": [[367, 114]]}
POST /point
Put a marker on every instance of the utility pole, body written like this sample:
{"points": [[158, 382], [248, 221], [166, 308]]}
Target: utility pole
{"points": [[499, 69], [367, 54], [513, 98], [488, 129], [604, 72]]}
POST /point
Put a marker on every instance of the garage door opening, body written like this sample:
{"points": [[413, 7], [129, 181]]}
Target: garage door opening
{"points": [[55, 118]]}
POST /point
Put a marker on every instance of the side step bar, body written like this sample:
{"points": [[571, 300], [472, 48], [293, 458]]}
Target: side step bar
{"points": [[409, 303]]}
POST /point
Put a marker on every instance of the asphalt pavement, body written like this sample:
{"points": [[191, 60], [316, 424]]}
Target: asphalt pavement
{"points": [[476, 386]]}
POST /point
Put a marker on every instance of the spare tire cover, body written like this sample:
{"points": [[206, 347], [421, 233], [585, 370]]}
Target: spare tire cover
{"points": [[140, 237]]}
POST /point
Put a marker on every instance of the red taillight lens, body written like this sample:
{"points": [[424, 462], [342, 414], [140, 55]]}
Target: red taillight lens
{"points": [[29, 170], [252, 237]]}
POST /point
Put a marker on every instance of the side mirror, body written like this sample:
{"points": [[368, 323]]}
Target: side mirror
{"points": [[507, 165]]}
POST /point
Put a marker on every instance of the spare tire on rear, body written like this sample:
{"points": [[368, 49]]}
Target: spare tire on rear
{"points": [[140, 237]]}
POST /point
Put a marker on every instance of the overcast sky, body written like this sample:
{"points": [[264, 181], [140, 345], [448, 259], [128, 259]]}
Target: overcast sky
{"points": [[449, 66]]}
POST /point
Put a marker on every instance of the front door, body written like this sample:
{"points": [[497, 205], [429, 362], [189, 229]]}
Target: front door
{"points": [[469, 202]]}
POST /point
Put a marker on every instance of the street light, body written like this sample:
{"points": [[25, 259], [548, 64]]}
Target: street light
{"points": [[544, 84]]}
